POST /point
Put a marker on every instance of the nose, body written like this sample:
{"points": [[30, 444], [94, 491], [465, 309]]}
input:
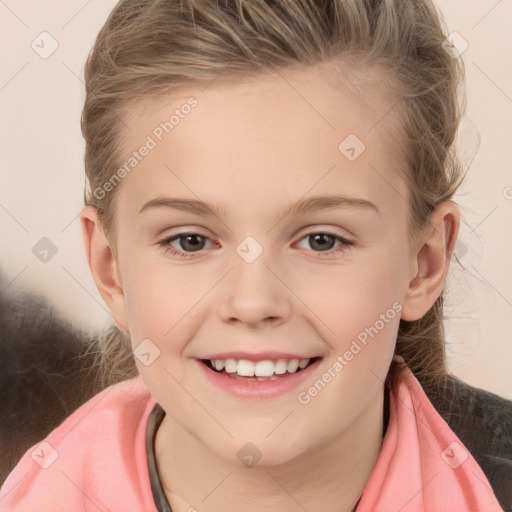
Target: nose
{"points": [[256, 295]]}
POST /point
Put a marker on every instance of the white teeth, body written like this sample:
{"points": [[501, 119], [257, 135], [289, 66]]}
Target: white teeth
{"points": [[230, 365], [292, 365], [245, 368], [280, 366], [265, 368]]}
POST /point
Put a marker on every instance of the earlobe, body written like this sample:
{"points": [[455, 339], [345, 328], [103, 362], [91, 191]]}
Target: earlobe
{"points": [[103, 265], [432, 261]]}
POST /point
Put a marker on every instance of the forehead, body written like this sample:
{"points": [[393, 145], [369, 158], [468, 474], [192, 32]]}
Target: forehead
{"points": [[291, 131], [325, 91]]}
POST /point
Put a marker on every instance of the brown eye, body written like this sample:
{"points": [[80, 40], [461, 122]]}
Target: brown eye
{"points": [[324, 243], [188, 244], [191, 242]]}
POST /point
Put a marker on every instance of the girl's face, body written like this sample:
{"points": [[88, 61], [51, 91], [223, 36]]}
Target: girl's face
{"points": [[286, 165]]}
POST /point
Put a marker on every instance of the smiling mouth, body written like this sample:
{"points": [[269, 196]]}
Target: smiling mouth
{"points": [[271, 370]]}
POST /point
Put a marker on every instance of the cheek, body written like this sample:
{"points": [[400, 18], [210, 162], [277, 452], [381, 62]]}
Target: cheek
{"points": [[159, 302], [348, 298], [163, 320], [359, 319]]}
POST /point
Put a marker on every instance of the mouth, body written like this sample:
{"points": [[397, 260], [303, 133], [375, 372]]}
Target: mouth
{"points": [[259, 371]]}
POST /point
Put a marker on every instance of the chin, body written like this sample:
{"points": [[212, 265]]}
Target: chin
{"points": [[262, 453]]}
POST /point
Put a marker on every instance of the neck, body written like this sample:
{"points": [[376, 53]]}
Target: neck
{"points": [[329, 477]]}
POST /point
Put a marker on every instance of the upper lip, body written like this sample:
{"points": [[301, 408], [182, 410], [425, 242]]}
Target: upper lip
{"points": [[256, 356]]}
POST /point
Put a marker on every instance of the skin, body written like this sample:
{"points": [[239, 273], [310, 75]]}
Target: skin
{"points": [[254, 148]]}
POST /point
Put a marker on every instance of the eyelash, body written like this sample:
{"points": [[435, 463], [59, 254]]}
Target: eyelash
{"points": [[345, 243]]}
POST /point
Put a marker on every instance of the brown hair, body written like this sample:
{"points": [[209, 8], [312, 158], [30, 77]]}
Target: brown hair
{"points": [[149, 48]]}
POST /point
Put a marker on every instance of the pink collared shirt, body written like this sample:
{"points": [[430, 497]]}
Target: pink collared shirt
{"points": [[96, 460]]}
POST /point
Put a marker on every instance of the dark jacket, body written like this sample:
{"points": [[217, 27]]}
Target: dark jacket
{"points": [[483, 422]]}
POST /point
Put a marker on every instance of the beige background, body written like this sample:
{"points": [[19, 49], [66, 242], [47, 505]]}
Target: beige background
{"points": [[42, 173]]}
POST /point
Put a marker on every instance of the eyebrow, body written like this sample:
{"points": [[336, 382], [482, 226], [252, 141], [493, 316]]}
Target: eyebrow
{"points": [[301, 207]]}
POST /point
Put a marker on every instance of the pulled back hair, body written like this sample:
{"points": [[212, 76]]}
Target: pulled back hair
{"points": [[149, 48]]}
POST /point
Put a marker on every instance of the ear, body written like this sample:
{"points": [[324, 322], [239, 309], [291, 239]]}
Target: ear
{"points": [[431, 261], [103, 265]]}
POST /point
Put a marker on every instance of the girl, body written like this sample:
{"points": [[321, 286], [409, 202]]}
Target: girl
{"points": [[269, 220]]}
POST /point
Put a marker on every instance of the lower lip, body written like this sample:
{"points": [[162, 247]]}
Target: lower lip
{"points": [[258, 389]]}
